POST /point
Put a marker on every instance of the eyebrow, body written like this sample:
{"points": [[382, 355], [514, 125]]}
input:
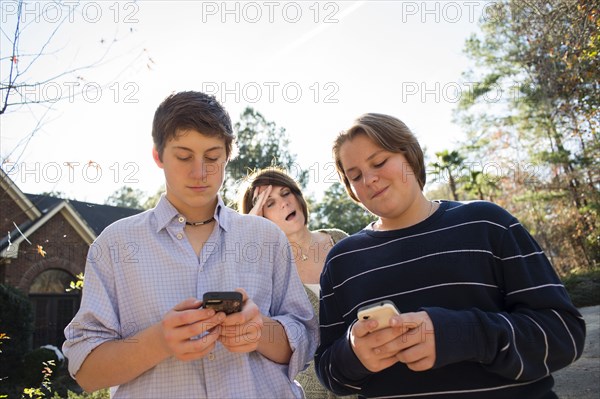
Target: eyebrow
{"points": [[373, 155], [280, 190], [180, 147]]}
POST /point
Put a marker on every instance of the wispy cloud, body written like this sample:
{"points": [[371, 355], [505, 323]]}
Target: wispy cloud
{"points": [[315, 32]]}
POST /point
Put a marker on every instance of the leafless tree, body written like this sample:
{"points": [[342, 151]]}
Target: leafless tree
{"points": [[26, 86]]}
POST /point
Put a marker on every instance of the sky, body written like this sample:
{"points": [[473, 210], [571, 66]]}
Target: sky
{"points": [[311, 67]]}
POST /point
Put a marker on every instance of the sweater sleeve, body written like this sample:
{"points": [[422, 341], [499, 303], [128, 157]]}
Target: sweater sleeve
{"points": [[539, 330], [346, 374]]}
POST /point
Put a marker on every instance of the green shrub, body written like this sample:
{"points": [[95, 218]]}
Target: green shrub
{"points": [[34, 364], [101, 394], [584, 288], [16, 319]]}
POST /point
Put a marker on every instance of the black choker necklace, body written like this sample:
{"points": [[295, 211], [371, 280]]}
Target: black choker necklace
{"points": [[200, 223]]}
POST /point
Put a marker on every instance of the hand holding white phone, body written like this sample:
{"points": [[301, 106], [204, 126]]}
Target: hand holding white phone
{"points": [[381, 311]]}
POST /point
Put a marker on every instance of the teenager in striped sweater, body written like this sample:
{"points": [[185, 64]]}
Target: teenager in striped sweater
{"points": [[483, 314]]}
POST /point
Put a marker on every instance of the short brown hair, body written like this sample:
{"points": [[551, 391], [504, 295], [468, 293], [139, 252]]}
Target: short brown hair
{"points": [[272, 176], [191, 110], [389, 133]]}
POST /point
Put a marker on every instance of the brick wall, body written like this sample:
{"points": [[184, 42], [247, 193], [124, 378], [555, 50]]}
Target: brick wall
{"points": [[64, 248]]}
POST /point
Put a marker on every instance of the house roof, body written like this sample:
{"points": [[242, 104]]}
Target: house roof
{"points": [[97, 216], [8, 186], [86, 218]]}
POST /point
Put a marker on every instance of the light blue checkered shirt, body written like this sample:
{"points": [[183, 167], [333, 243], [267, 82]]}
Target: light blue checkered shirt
{"points": [[142, 266]]}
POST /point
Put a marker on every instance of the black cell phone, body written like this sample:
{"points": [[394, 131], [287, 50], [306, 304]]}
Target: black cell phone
{"points": [[223, 301]]}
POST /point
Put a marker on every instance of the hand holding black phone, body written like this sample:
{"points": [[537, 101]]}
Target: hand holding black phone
{"points": [[223, 301]]}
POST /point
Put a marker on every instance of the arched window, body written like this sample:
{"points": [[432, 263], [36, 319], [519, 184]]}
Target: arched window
{"points": [[52, 281], [53, 306]]}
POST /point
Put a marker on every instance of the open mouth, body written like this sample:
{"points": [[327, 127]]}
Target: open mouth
{"points": [[290, 216]]}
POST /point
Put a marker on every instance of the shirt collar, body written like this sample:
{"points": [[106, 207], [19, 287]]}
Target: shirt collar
{"points": [[223, 214], [165, 212]]}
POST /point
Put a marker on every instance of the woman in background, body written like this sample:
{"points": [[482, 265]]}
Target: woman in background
{"points": [[273, 194]]}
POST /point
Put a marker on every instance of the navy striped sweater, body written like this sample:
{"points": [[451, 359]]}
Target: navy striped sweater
{"points": [[502, 319]]}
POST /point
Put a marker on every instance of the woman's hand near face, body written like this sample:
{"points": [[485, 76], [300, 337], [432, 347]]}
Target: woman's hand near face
{"points": [[259, 198]]}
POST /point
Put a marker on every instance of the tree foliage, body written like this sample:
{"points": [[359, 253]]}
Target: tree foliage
{"points": [[337, 210], [153, 199], [126, 197], [16, 331], [447, 165], [462, 179], [260, 144], [542, 136]]}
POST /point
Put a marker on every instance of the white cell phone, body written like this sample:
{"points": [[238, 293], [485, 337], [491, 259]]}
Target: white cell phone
{"points": [[380, 311]]}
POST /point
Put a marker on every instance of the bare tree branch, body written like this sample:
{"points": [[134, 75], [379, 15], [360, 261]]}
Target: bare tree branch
{"points": [[17, 88]]}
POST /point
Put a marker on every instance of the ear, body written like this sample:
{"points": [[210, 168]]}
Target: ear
{"points": [[156, 157]]}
